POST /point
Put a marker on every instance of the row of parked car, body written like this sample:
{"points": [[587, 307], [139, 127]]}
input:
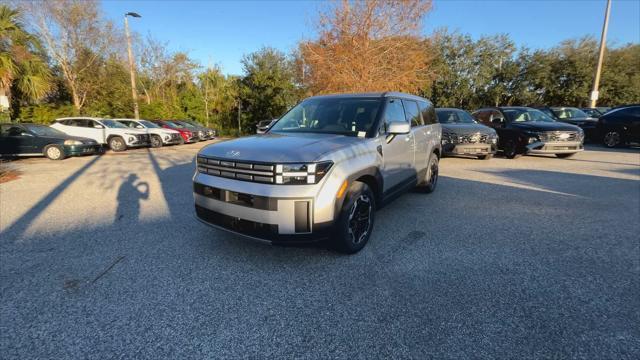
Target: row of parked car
{"points": [[516, 130], [75, 136]]}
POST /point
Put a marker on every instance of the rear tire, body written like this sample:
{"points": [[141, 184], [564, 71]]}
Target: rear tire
{"points": [[430, 181], [156, 141], [564, 156], [54, 152], [485, 157], [117, 144], [355, 223]]}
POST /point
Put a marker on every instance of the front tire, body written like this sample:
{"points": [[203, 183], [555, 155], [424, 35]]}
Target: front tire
{"points": [[355, 223], [564, 156], [117, 144], [156, 141], [54, 152], [510, 150], [612, 139]]}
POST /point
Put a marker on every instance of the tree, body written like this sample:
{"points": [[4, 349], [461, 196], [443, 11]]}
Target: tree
{"points": [[22, 65], [267, 88], [367, 46], [75, 36]]}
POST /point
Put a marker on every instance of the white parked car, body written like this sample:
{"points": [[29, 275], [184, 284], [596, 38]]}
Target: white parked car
{"points": [[105, 131], [158, 136]]}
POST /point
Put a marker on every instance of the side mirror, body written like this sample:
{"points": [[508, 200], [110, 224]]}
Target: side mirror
{"points": [[497, 121], [139, 127], [398, 128], [24, 133], [98, 126]]}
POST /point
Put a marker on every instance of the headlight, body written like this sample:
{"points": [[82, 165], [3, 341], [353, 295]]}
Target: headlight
{"points": [[533, 137], [72, 142], [167, 137], [296, 174]]}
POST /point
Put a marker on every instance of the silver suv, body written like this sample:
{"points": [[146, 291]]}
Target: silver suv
{"points": [[321, 170]]}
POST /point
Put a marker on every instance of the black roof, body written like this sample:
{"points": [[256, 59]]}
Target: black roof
{"points": [[371, 95]]}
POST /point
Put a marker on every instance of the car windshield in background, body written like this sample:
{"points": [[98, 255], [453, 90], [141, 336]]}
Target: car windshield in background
{"points": [[345, 116], [41, 130], [569, 113], [175, 124], [113, 124], [524, 115], [148, 124], [454, 117]]}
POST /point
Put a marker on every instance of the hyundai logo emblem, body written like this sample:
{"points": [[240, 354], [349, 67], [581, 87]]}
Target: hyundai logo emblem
{"points": [[233, 153]]}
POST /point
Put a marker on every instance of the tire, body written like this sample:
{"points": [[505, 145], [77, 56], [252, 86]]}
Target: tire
{"points": [[430, 181], [564, 156], [156, 141], [117, 144], [355, 223], [54, 152], [485, 157], [612, 139], [510, 150]]}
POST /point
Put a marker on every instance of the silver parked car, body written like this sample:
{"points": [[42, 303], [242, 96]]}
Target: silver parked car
{"points": [[321, 170]]}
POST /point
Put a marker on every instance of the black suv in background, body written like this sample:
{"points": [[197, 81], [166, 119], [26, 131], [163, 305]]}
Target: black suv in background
{"points": [[620, 126], [24, 139], [525, 130], [462, 135]]}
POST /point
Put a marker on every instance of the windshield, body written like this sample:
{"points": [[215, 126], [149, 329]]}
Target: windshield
{"points": [[148, 124], [454, 117], [175, 124], [41, 130], [569, 113], [113, 124], [345, 116], [524, 115]]}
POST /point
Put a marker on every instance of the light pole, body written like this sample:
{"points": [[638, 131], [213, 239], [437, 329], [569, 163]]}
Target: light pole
{"points": [[134, 93], [603, 39]]}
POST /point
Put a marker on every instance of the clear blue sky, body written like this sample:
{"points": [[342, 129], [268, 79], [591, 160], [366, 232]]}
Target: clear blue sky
{"points": [[222, 31]]}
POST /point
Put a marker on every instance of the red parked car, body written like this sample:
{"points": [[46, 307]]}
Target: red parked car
{"points": [[187, 135]]}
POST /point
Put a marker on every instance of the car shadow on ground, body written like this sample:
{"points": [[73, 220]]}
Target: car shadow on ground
{"points": [[506, 271]]}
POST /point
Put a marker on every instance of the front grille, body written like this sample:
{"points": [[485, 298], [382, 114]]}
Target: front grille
{"points": [[559, 136], [245, 171], [142, 138], [474, 138]]}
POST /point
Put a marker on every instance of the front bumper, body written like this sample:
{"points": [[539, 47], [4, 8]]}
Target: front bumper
{"points": [[273, 213], [469, 149], [560, 147], [172, 140], [77, 150]]}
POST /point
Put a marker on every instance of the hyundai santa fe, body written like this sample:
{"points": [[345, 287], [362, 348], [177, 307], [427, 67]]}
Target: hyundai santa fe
{"points": [[321, 170]]}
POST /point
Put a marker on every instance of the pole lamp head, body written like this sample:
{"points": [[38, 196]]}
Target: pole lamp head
{"points": [[132, 14]]}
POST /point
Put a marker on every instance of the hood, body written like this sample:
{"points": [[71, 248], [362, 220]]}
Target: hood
{"points": [[543, 126], [466, 128], [273, 147], [580, 120]]}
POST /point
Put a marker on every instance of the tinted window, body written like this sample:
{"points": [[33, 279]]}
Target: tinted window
{"points": [[42, 130], [130, 124], [12, 130], [79, 122], [483, 116], [428, 112], [412, 112]]}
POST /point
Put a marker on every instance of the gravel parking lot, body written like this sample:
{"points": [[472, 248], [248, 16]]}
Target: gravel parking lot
{"points": [[100, 257]]}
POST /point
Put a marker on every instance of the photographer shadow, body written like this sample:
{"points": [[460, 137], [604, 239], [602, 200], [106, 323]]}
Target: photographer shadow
{"points": [[130, 196]]}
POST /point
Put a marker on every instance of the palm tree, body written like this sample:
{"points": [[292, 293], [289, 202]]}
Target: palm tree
{"points": [[21, 61]]}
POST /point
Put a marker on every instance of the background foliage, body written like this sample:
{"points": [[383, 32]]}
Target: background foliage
{"points": [[75, 63]]}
